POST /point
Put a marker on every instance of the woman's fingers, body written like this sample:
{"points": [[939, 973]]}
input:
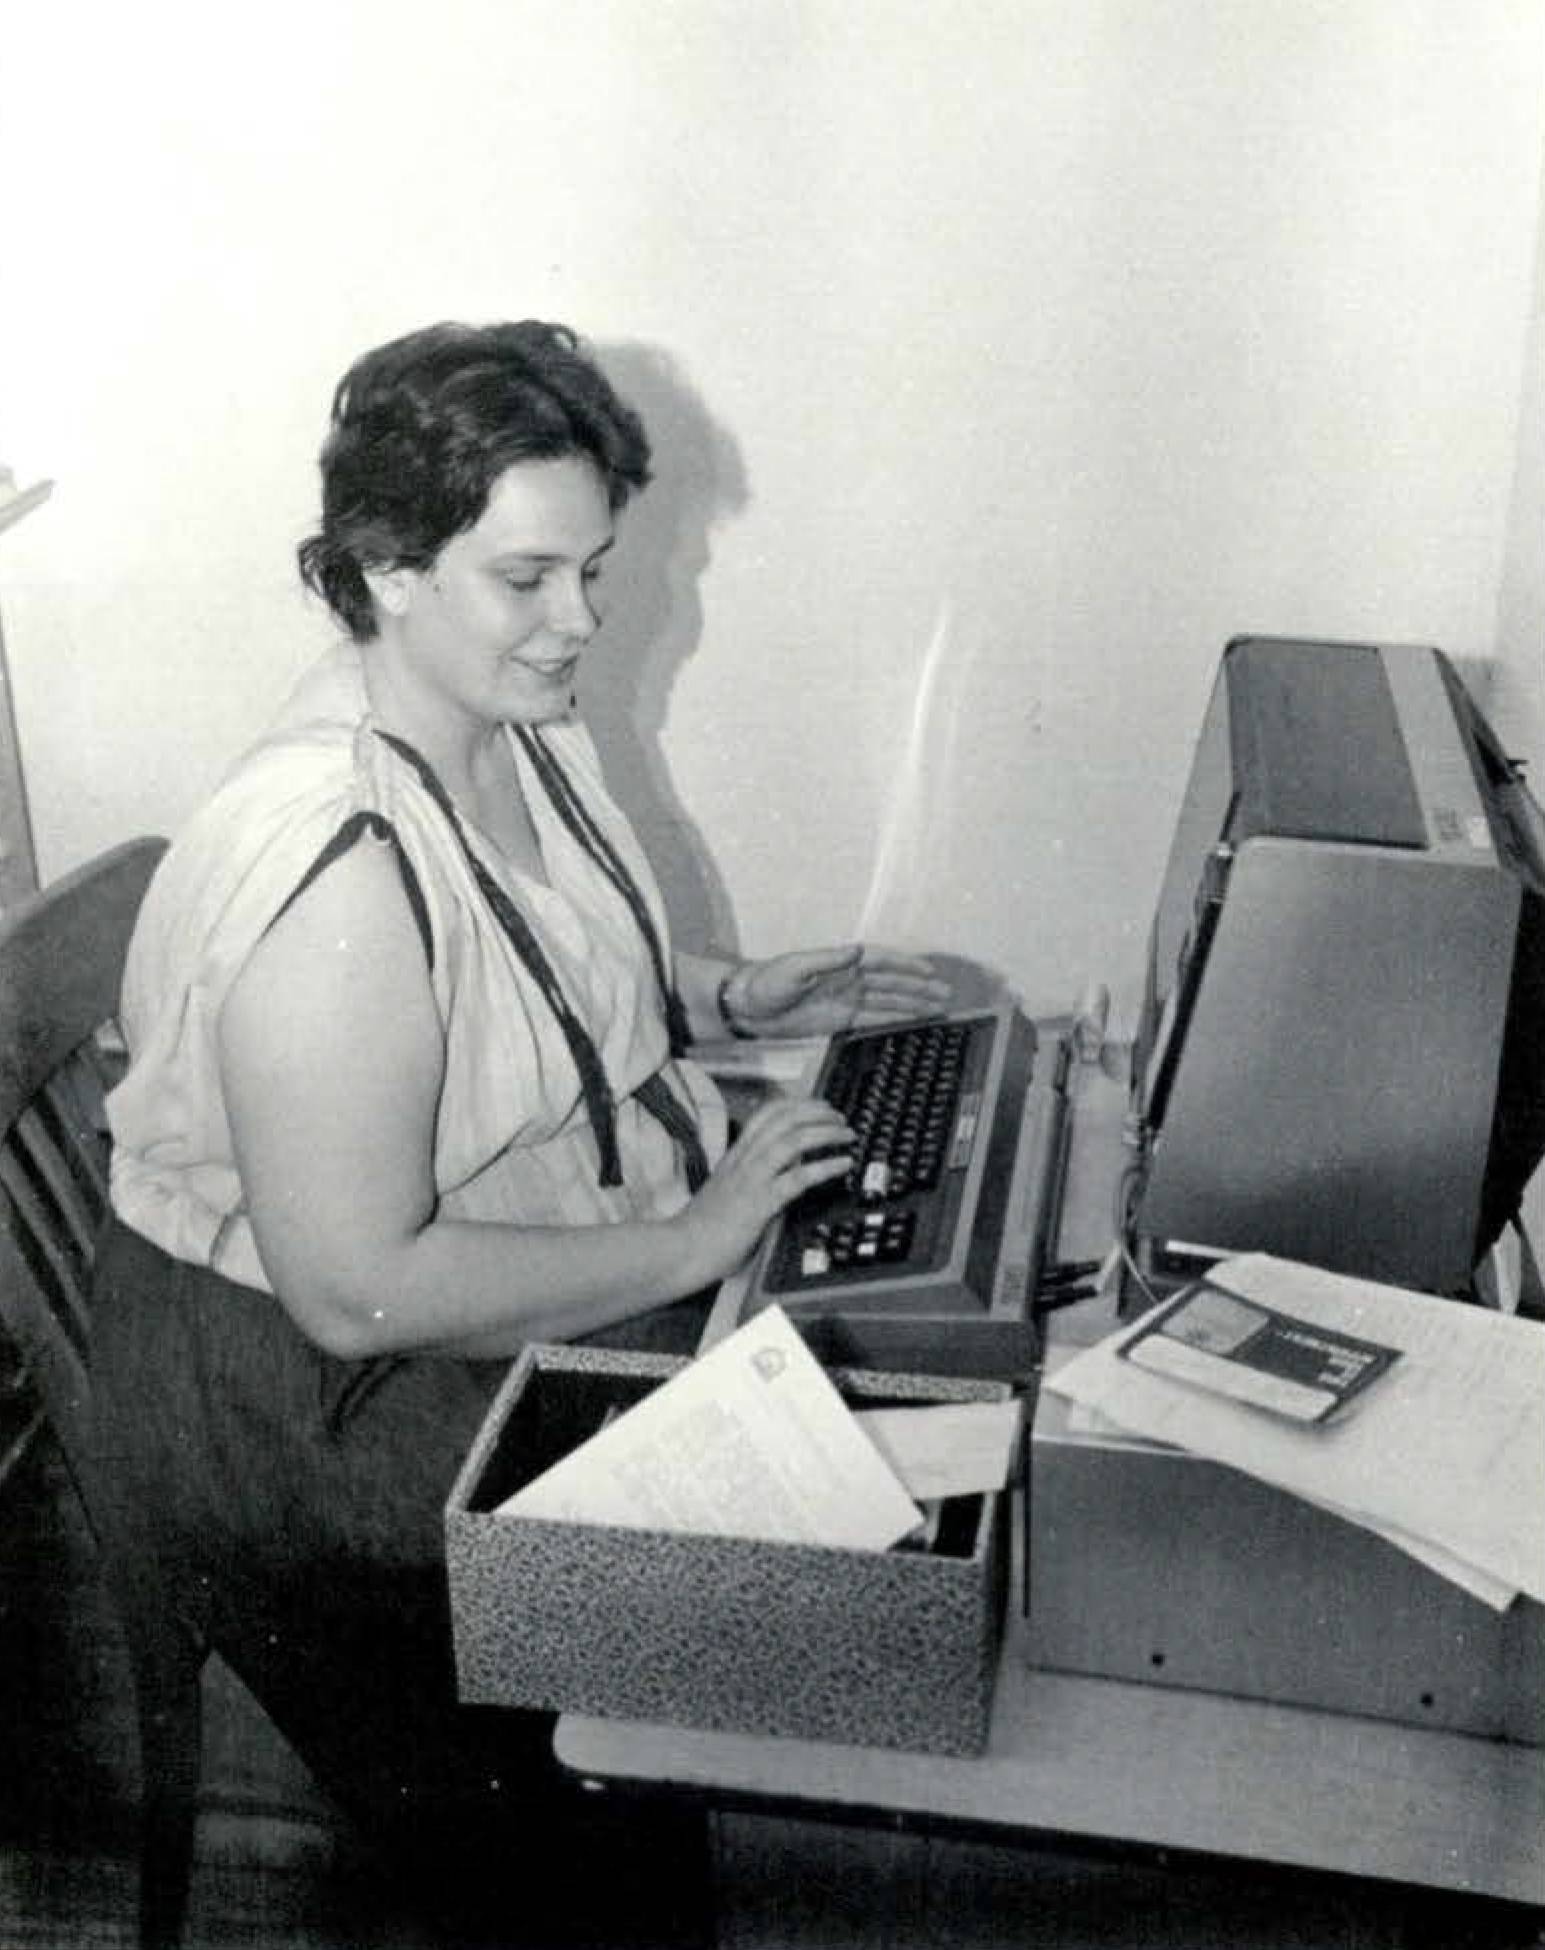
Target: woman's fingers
{"points": [[887, 961], [889, 986], [915, 998], [787, 1147], [814, 964], [818, 1168], [790, 1131]]}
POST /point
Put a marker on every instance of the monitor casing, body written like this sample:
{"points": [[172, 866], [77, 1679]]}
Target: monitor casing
{"points": [[1340, 1056]]}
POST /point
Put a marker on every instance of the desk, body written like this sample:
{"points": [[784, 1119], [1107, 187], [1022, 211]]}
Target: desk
{"points": [[1101, 1761], [1147, 1766]]}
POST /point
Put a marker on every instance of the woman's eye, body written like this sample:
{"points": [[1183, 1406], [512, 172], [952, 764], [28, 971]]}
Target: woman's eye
{"points": [[527, 585], [592, 572]]}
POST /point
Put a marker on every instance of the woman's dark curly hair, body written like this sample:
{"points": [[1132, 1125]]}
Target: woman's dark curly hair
{"points": [[423, 427]]}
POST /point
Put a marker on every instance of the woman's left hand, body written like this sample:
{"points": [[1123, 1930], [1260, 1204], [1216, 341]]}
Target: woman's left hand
{"points": [[815, 991]]}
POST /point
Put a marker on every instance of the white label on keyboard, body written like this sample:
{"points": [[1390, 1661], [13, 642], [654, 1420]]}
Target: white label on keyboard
{"points": [[965, 1129]]}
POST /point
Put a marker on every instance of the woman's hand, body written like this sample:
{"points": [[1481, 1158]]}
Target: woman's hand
{"points": [[787, 1146], [815, 991]]}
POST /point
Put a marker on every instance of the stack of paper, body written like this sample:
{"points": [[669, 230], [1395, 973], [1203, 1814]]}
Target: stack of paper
{"points": [[1444, 1454], [753, 1440]]}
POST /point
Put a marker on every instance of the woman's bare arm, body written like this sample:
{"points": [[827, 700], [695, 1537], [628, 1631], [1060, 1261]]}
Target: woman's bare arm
{"points": [[332, 1065]]}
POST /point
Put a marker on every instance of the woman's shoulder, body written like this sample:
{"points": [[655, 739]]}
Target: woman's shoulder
{"points": [[269, 817], [288, 783], [314, 752]]}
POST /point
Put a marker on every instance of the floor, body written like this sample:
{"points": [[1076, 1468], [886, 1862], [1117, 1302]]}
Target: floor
{"points": [[273, 1867]]}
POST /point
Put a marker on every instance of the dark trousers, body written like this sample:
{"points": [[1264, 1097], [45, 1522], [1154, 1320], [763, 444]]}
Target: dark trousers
{"points": [[293, 1504]]}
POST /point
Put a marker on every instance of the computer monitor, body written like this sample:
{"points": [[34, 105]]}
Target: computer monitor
{"points": [[1340, 1053]]}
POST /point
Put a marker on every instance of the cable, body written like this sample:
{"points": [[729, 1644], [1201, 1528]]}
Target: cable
{"points": [[1125, 1216]]}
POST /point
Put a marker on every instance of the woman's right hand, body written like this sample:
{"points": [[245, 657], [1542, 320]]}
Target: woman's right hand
{"points": [[787, 1147]]}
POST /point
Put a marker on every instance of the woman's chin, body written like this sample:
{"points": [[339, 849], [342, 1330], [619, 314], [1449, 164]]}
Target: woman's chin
{"points": [[541, 704]]}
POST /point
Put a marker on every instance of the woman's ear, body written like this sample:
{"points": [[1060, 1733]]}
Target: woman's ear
{"points": [[390, 589]]}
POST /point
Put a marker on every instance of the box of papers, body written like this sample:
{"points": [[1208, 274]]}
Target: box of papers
{"points": [[894, 1648], [1150, 1563]]}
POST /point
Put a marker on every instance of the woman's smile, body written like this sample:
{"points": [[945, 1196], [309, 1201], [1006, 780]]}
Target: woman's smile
{"points": [[557, 669]]}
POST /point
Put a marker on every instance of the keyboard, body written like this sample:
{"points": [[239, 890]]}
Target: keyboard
{"points": [[913, 1096], [940, 1222]]}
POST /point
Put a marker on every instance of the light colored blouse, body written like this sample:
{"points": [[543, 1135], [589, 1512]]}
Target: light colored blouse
{"points": [[514, 1139]]}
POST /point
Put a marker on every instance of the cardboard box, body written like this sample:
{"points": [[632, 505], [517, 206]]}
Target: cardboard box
{"points": [[1147, 1563], [891, 1648]]}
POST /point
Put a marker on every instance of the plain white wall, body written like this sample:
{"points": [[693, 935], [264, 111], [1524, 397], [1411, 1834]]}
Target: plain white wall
{"points": [[1004, 358]]}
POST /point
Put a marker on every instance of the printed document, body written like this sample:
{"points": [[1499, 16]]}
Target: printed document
{"points": [[1444, 1456], [751, 1439]]}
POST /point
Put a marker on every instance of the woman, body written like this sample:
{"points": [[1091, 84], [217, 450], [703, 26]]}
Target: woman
{"points": [[410, 1078]]}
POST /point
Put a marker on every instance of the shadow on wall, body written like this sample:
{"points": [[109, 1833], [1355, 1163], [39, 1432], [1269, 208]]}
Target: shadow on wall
{"points": [[654, 621]]}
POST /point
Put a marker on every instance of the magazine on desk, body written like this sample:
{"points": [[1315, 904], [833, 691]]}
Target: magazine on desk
{"points": [[1218, 1339]]}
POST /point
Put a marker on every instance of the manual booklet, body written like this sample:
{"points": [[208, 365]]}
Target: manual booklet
{"points": [[1252, 1353]]}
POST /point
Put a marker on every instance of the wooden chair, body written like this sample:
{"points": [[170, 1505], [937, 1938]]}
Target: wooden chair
{"points": [[61, 960]]}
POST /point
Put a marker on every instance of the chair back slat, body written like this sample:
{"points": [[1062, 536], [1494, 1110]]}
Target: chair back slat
{"points": [[61, 963], [73, 1100], [53, 1152], [54, 1172], [55, 1265], [62, 952], [55, 1359]]}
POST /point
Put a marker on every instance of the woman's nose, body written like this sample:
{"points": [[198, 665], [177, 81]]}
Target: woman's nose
{"points": [[573, 613]]}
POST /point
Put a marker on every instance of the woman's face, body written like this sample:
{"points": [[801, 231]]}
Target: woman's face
{"points": [[493, 630]]}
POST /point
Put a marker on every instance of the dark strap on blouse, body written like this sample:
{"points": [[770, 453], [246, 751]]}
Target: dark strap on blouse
{"points": [[579, 819], [654, 1094], [592, 1077], [380, 829], [662, 1103]]}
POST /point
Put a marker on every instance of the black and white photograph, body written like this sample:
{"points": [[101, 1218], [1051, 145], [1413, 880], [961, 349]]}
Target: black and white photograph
{"points": [[772, 975]]}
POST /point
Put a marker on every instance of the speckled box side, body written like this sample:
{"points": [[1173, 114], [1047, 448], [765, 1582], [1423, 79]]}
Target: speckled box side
{"points": [[891, 1648]]}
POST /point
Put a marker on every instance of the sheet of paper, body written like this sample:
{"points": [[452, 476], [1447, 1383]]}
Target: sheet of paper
{"points": [[1094, 1426], [749, 1440], [1498, 1593], [946, 1448], [1446, 1450]]}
